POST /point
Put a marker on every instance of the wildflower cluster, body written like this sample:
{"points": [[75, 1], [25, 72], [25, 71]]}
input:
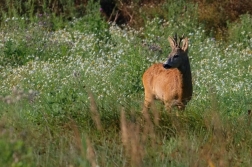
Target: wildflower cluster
{"points": [[18, 95]]}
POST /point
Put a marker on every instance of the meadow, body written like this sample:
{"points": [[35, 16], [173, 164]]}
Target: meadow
{"points": [[72, 95]]}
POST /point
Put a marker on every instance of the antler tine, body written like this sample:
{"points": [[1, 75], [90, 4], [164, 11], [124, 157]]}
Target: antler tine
{"points": [[181, 38], [176, 39]]}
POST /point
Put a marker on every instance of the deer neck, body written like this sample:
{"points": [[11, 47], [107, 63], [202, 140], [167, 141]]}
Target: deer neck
{"points": [[185, 70]]}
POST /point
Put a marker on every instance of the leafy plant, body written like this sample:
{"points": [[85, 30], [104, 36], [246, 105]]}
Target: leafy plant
{"points": [[240, 31]]}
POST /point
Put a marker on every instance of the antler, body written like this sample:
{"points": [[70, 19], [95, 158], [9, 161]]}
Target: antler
{"points": [[181, 38], [176, 39]]}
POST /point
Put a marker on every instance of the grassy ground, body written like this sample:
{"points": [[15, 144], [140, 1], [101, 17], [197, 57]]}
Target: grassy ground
{"points": [[73, 96]]}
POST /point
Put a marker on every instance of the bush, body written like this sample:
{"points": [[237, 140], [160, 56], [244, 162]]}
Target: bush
{"points": [[240, 31]]}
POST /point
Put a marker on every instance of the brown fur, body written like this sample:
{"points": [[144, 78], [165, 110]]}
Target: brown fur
{"points": [[172, 84]]}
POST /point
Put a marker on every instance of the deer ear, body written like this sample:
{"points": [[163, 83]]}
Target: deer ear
{"points": [[185, 45], [172, 42]]}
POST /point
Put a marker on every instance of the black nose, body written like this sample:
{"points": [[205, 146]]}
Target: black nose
{"points": [[166, 66]]}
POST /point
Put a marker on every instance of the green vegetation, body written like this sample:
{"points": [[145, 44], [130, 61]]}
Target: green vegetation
{"points": [[71, 91]]}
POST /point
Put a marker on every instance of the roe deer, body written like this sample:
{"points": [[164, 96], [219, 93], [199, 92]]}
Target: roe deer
{"points": [[170, 82]]}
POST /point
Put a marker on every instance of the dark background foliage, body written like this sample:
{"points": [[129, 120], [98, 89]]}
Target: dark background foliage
{"points": [[214, 14]]}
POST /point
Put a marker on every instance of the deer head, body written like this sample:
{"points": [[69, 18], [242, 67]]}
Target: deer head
{"points": [[178, 57]]}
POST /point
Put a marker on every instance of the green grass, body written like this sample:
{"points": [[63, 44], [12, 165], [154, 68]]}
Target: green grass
{"points": [[73, 96]]}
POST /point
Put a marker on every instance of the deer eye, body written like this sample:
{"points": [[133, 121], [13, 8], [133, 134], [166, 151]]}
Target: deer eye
{"points": [[176, 56]]}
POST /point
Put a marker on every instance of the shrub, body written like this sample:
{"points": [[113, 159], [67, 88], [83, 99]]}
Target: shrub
{"points": [[240, 30]]}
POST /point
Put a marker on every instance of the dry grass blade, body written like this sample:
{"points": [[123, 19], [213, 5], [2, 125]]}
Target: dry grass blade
{"points": [[148, 127], [91, 153], [124, 129], [77, 137], [94, 112], [131, 140]]}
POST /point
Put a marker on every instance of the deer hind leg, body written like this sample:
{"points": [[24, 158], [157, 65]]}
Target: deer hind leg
{"points": [[174, 103], [180, 106], [168, 106], [178, 103]]}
